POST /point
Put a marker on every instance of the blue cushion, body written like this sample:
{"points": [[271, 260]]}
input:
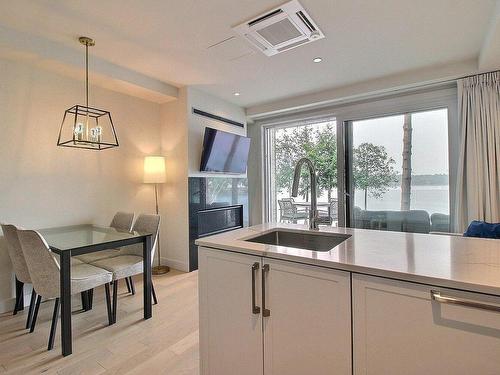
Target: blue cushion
{"points": [[483, 229]]}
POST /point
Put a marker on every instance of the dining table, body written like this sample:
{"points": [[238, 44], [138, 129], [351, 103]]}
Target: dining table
{"points": [[82, 239]]}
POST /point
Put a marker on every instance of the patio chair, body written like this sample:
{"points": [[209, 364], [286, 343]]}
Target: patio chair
{"points": [[332, 212], [290, 212]]}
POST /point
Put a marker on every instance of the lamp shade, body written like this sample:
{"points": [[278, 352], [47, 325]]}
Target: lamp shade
{"points": [[154, 170]]}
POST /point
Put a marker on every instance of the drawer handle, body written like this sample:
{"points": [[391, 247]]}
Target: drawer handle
{"points": [[265, 312], [438, 297], [255, 308]]}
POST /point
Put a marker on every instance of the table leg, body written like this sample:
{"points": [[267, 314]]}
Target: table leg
{"points": [[65, 292], [146, 252]]}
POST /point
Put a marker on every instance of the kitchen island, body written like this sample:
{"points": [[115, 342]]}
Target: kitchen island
{"points": [[376, 303]]}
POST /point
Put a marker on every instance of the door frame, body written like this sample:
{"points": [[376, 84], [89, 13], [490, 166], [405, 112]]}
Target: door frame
{"points": [[268, 138], [426, 100]]}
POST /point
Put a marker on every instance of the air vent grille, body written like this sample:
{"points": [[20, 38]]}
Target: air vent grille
{"points": [[280, 29], [265, 17], [280, 32], [306, 21], [296, 44]]}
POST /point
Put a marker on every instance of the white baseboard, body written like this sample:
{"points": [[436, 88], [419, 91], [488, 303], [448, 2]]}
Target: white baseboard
{"points": [[175, 264]]}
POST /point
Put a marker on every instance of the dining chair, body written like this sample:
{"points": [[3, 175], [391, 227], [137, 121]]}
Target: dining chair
{"points": [[121, 221], [20, 269], [130, 261], [44, 273]]}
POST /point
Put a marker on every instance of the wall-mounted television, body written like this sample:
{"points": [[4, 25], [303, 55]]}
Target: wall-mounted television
{"points": [[224, 152]]}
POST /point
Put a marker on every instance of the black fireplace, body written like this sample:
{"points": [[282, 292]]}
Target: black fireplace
{"points": [[216, 205]]}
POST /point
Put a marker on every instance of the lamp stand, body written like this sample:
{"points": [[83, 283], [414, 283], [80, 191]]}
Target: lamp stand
{"points": [[159, 269]]}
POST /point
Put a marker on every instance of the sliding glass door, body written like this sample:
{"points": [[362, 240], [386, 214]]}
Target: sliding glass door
{"points": [[284, 146], [397, 172]]}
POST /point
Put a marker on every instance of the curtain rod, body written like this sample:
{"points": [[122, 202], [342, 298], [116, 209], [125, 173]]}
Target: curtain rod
{"points": [[474, 75]]}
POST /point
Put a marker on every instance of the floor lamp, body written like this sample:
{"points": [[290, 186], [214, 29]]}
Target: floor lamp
{"points": [[154, 173]]}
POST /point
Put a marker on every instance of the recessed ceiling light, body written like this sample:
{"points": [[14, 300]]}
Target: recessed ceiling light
{"points": [[317, 59], [236, 94]]}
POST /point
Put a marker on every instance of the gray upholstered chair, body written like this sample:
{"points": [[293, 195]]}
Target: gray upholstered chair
{"points": [[121, 221], [20, 269], [44, 273], [129, 262]]}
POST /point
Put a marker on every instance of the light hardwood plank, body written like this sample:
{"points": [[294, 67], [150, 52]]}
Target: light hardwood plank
{"points": [[166, 344]]}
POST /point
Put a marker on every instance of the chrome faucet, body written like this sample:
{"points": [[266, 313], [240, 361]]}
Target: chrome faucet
{"points": [[314, 219]]}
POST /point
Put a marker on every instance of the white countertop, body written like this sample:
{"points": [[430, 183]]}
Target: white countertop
{"points": [[442, 260]]}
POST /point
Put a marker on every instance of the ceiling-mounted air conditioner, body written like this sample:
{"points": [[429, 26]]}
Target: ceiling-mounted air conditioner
{"points": [[280, 29]]}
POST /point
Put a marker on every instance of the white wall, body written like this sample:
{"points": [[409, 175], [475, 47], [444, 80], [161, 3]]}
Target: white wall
{"points": [[197, 124], [174, 193], [367, 90], [42, 185], [181, 142]]}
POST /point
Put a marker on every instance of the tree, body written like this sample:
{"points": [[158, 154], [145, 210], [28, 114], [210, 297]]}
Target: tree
{"points": [[324, 157], [373, 170], [319, 145]]}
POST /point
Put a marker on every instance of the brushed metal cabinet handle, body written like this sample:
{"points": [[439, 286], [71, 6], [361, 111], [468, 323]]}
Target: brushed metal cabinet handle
{"points": [[255, 308], [438, 297], [265, 312]]}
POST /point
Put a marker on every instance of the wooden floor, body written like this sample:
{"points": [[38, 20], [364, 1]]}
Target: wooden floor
{"points": [[165, 344]]}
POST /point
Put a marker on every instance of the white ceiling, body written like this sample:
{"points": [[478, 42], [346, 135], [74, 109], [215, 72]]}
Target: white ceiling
{"points": [[168, 40]]}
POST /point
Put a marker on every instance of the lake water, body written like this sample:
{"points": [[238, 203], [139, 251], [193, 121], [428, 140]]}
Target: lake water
{"points": [[429, 198]]}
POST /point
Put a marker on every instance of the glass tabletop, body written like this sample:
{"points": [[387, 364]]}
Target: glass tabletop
{"points": [[86, 235]]}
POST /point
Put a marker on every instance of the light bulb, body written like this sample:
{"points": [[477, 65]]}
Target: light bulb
{"points": [[95, 134], [78, 128]]}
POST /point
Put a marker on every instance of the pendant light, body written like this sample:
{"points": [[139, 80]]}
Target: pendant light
{"points": [[87, 127]]}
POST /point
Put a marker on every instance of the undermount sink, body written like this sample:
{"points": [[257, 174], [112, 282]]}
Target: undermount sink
{"points": [[319, 241]]}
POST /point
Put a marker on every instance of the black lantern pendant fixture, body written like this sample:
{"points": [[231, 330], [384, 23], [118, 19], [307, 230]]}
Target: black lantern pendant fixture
{"points": [[84, 126]]}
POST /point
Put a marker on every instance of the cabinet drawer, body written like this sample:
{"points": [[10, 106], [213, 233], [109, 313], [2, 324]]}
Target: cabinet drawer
{"points": [[398, 328]]}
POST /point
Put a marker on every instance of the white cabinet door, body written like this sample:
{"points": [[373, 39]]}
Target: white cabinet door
{"points": [[399, 329], [308, 330], [230, 330]]}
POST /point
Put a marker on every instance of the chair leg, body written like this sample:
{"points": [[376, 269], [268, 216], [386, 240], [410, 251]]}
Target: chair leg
{"points": [[19, 297], [108, 304], [35, 313], [53, 327], [30, 311], [84, 296], [132, 286], [128, 285], [115, 299], [155, 301], [91, 298]]}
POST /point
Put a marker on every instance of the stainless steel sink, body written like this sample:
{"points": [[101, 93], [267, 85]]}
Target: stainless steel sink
{"points": [[319, 241]]}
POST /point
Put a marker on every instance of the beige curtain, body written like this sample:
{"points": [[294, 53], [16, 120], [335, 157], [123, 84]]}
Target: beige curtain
{"points": [[478, 185]]}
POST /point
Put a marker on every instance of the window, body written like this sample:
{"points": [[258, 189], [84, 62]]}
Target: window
{"points": [[398, 172], [284, 147]]}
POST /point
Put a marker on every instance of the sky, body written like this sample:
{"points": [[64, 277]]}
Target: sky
{"points": [[429, 139]]}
